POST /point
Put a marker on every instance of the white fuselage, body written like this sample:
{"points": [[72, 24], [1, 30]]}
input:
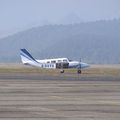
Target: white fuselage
{"points": [[51, 63]]}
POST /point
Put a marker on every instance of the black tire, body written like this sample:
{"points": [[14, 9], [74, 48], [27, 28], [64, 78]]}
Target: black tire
{"points": [[62, 71], [79, 71]]}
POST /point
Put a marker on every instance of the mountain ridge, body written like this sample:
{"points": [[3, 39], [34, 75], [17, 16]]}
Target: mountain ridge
{"points": [[94, 42]]}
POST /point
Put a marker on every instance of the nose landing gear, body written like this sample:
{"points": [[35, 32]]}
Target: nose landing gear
{"points": [[79, 71]]}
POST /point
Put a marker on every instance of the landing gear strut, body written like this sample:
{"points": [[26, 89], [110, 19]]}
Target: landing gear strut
{"points": [[79, 69]]}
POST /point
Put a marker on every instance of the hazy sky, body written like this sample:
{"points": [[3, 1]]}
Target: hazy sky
{"points": [[16, 15]]}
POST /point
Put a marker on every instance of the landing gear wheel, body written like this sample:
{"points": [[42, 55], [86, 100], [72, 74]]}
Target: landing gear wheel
{"points": [[79, 71], [62, 71]]}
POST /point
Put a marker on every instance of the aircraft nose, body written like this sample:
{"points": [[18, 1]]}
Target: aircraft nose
{"points": [[87, 65], [84, 65]]}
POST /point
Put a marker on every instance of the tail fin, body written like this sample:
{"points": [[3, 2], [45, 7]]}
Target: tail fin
{"points": [[29, 60], [26, 57]]}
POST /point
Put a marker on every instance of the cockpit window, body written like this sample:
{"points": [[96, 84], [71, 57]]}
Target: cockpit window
{"points": [[70, 60], [65, 60]]}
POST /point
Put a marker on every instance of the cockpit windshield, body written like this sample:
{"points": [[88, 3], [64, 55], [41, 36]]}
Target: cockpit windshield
{"points": [[70, 60], [65, 60]]}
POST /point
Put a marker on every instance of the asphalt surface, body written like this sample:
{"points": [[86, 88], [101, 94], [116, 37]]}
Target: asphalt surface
{"points": [[59, 97], [67, 77]]}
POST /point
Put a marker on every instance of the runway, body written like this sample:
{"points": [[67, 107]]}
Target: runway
{"points": [[59, 97], [62, 77]]}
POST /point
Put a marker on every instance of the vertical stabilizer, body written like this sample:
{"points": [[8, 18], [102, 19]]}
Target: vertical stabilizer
{"points": [[26, 58]]}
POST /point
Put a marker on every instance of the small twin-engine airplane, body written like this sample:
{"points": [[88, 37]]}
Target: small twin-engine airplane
{"points": [[59, 63]]}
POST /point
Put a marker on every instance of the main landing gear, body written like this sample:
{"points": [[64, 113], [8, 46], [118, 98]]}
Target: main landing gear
{"points": [[62, 71]]}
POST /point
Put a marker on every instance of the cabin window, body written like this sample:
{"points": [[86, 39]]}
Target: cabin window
{"points": [[59, 61], [53, 61], [48, 61]]}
